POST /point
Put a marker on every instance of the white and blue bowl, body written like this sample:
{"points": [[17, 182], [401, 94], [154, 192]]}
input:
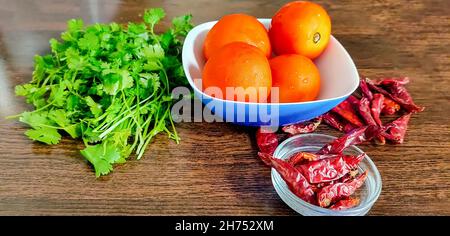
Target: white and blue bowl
{"points": [[339, 79]]}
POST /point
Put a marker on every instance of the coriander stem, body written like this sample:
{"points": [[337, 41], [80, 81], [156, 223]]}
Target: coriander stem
{"points": [[177, 138], [106, 132]]}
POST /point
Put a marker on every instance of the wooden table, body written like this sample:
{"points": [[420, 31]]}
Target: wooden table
{"points": [[214, 170]]}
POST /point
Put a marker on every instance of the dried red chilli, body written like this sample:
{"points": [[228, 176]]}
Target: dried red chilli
{"points": [[329, 169], [376, 106], [353, 100], [266, 140], [353, 161], [374, 131], [335, 192], [348, 127], [300, 157], [304, 127], [297, 158], [398, 93], [365, 112], [333, 120], [354, 137], [346, 110], [392, 80], [345, 204], [365, 89], [397, 89], [319, 186], [349, 176], [266, 158], [396, 130], [389, 106], [296, 182]]}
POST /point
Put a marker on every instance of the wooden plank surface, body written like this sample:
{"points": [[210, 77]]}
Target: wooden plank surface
{"points": [[214, 170]]}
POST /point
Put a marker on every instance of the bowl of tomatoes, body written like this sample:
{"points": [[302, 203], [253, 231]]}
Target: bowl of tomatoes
{"points": [[257, 72]]}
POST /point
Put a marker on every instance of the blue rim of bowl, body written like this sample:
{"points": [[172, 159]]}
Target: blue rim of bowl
{"points": [[360, 208], [262, 20]]}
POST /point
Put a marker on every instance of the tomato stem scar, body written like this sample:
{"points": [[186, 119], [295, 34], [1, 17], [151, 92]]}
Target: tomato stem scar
{"points": [[316, 37]]}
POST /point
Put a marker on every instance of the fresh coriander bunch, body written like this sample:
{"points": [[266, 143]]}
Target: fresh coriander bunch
{"points": [[109, 85]]}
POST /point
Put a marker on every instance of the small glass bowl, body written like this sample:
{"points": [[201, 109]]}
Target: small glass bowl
{"points": [[368, 193]]}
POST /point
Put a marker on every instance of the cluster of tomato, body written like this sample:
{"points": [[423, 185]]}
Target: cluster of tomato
{"points": [[240, 52]]}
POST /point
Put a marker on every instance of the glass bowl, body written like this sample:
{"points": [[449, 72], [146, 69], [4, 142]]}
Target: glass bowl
{"points": [[368, 193]]}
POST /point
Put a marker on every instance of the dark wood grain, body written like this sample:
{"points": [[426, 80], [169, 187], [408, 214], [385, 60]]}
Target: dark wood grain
{"points": [[214, 170]]}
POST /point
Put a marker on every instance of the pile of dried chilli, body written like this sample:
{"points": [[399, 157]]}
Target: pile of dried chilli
{"points": [[387, 96], [329, 178]]}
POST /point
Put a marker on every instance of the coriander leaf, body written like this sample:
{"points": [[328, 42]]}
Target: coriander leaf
{"points": [[120, 139], [59, 117], [39, 68], [54, 45], [89, 42], [166, 98], [137, 28], [152, 66], [58, 94], [74, 60], [36, 95], [115, 27], [72, 102], [101, 156], [166, 40], [89, 135], [112, 111], [126, 81], [111, 83], [182, 25], [44, 134], [152, 52], [24, 90], [38, 102], [75, 25], [153, 16], [35, 119], [73, 130], [115, 80], [95, 108]]}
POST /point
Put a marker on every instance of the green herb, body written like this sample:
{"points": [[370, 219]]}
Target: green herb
{"points": [[109, 85]]}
